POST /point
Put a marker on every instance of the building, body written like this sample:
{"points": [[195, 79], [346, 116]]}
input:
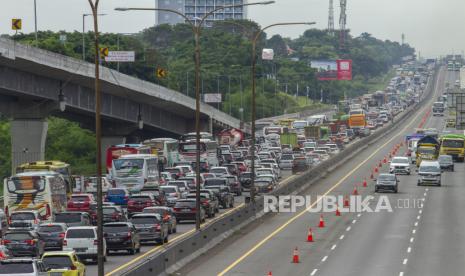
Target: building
{"points": [[198, 8]]}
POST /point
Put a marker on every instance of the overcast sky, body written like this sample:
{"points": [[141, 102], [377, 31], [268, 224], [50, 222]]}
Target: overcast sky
{"points": [[433, 27]]}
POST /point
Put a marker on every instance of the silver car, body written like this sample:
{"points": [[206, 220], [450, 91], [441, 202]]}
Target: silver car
{"points": [[286, 162], [23, 267]]}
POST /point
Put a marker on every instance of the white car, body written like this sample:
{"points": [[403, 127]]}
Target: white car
{"points": [[83, 240], [27, 219], [399, 164]]}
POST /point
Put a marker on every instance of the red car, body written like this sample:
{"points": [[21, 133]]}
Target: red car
{"points": [[138, 202], [80, 202]]}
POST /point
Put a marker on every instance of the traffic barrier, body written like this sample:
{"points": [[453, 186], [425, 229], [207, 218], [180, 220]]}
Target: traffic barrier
{"points": [[346, 201], [321, 224], [380, 164], [338, 213], [376, 170], [175, 255], [310, 235], [355, 192], [295, 256], [269, 273], [365, 182]]}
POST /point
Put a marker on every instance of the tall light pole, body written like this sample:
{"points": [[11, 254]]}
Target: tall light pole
{"points": [[254, 61], [196, 29], [35, 22], [98, 136], [84, 32]]}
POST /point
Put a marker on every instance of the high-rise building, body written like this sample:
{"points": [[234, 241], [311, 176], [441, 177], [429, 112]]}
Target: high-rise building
{"points": [[195, 9]]}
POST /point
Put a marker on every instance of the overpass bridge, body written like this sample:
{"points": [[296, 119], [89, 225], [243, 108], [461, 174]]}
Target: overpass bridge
{"points": [[32, 80]]}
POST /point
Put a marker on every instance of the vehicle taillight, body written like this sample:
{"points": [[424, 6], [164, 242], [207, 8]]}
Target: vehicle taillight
{"points": [[95, 242], [36, 221], [145, 180], [61, 235], [65, 242], [48, 211], [30, 242], [157, 227], [128, 235], [115, 215], [176, 209], [131, 202], [148, 203], [126, 197], [73, 267], [5, 242]]}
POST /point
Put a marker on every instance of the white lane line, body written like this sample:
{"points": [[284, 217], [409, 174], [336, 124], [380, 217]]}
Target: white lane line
{"points": [[333, 247], [324, 258], [427, 189], [409, 249], [314, 272], [401, 274], [414, 231], [359, 215], [341, 237], [411, 239], [348, 228], [424, 194], [416, 223], [354, 221], [420, 211], [405, 261], [418, 217]]}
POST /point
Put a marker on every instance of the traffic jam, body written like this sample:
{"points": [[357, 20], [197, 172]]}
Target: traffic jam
{"points": [[49, 219]]}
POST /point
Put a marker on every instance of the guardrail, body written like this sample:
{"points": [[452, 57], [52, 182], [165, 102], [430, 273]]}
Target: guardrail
{"points": [[175, 255]]}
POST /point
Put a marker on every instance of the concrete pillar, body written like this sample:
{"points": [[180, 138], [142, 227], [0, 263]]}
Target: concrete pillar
{"points": [[27, 141], [108, 141]]}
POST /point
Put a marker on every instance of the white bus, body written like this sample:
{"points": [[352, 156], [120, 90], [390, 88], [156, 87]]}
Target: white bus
{"points": [[208, 151], [44, 191], [135, 171], [166, 149]]}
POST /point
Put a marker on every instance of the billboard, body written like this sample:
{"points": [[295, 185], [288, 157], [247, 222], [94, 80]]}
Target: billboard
{"points": [[267, 54], [120, 56], [212, 98], [340, 69]]}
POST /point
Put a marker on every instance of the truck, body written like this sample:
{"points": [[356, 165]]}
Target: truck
{"points": [[453, 145], [232, 137], [289, 138], [438, 108], [427, 149], [312, 132], [357, 120]]}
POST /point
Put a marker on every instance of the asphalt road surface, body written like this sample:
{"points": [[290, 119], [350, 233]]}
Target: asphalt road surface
{"points": [[423, 235]]}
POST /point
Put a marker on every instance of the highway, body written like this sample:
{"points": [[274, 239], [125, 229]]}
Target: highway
{"points": [[424, 239]]}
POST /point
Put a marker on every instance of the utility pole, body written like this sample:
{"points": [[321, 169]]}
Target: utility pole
{"points": [[331, 18], [342, 24]]}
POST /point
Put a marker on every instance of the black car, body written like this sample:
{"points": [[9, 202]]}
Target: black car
{"points": [[113, 214], [167, 215], [52, 234], [185, 209], [245, 179], [121, 236], [159, 196], [151, 227], [24, 243], [225, 197], [74, 218], [386, 182], [263, 186], [206, 203], [446, 162], [300, 165]]}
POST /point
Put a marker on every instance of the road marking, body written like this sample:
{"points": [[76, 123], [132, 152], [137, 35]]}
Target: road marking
{"points": [[305, 211], [420, 211], [412, 239], [427, 189], [424, 194], [409, 249], [324, 258], [414, 231], [314, 272], [341, 237], [401, 274], [159, 247], [418, 217], [416, 223], [405, 261], [354, 221], [333, 247], [348, 228], [359, 215]]}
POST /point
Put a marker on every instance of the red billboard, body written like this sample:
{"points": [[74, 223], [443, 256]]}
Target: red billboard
{"points": [[344, 69]]}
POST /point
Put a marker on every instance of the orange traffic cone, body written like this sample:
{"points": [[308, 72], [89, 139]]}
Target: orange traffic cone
{"points": [[390, 156], [295, 256], [346, 201], [385, 160], [372, 176], [376, 169], [380, 164], [269, 274], [364, 182], [310, 235], [338, 213], [322, 222], [355, 192]]}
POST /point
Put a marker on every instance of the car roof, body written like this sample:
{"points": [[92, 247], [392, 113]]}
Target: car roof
{"points": [[53, 224], [145, 215], [400, 157], [25, 211], [59, 253], [429, 163], [83, 227]]}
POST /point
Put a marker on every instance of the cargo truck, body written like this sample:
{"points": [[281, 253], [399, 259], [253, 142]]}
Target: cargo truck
{"points": [[289, 138], [453, 145], [427, 149]]}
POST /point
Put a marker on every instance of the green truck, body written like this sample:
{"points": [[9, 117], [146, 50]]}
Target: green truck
{"points": [[289, 139]]}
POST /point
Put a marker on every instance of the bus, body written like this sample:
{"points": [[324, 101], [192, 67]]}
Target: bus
{"points": [[116, 151], [208, 151], [453, 145], [193, 136], [165, 148], [56, 166], [274, 130], [44, 191], [135, 172]]}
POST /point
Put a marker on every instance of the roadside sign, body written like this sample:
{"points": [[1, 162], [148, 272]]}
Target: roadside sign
{"points": [[16, 24], [161, 73], [460, 112], [212, 98], [104, 52], [120, 56], [267, 54]]}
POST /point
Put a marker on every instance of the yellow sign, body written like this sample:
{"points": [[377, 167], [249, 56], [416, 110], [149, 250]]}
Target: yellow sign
{"points": [[161, 73], [16, 24], [104, 52]]}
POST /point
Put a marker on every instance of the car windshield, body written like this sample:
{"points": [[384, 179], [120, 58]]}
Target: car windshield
{"points": [[57, 261], [386, 177], [154, 211], [144, 220], [140, 198], [22, 216], [218, 170], [13, 268], [116, 192], [108, 211], [168, 190], [128, 167], [17, 236], [185, 204], [246, 175], [79, 198], [80, 234], [50, 229], [117, 228], [452, 143], [400, 161], [214, 182], [68, 217], [428, 150], [445, 158], [429, 169]]}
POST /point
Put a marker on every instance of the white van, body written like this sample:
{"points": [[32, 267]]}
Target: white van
{"points": [[135, 171], [83, 240], [429, 172]]}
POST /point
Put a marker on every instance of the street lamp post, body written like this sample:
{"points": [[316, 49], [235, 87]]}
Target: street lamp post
{"points": [[254, 61], [35, 22], [84, 32], [196, 29]]}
